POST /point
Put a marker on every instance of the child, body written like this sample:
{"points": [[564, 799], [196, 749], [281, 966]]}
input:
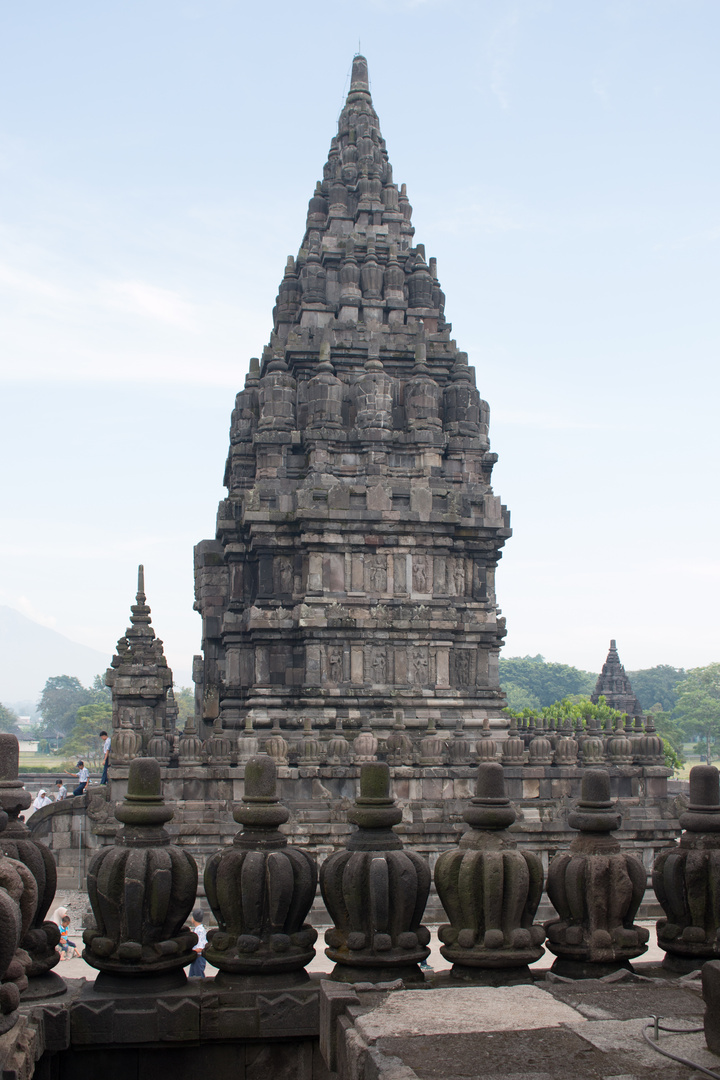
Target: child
{"points": [[198, 965], [65, 943]]}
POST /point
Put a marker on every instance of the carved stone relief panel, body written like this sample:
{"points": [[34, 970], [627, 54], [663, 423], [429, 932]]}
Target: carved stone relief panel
{"points": [[262, 664], [247, 667], [334, 573], [356, 664], [284, 575], [400, 575], [232, 665], [401, 665], [377, 666], [313, 672], [485, 675], [458, 576], [357, 574], [315, 572], [237, 581], [462, 672], [440, 574], [421, 573], [442, 666], [375, 574], [418, 666], [334, 664]]}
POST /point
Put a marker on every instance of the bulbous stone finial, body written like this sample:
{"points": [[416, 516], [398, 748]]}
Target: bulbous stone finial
{"points": [[596, 890], [260, 889], [375, 891], [141, 892], [686, 879], [18, 904], [490, 891], [17, 842]]}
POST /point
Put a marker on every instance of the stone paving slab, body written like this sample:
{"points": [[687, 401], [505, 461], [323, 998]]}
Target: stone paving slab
{"points": [[628, 1002], [625, 1037], [527, 1055], [422, 1012]]}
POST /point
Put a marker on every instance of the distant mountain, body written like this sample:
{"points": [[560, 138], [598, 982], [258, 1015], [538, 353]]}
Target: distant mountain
{"points": [[30, 654]]}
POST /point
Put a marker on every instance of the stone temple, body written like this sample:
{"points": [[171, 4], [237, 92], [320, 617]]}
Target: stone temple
{"points": [[350, 587], [352, 576], [614, 685]]}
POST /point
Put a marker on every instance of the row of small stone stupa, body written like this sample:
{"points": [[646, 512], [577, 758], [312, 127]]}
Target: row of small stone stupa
{"points": [[144, 722]]}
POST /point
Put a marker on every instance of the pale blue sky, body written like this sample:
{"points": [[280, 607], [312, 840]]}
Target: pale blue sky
{"points": [[156, 159]]}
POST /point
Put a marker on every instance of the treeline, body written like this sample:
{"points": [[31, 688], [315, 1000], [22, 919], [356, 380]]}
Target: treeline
{"points": [[685, 704], [72, 715], [530, 682]]}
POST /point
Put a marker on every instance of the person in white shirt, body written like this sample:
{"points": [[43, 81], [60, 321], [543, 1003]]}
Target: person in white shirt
{"points": [[61, 792], [198, 965], [106, 755], [83, 776], [41, 800]]}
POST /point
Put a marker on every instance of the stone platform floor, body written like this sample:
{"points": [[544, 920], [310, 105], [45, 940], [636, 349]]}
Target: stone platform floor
{"points": [[581, 1030]]}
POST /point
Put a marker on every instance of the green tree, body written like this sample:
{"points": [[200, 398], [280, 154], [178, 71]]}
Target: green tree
{"points": [[519, 699], [8, 720], [100, 691], [185, 701], [59, 702], [671, 729], [698, 705], [82, 741], [546, 683], [574, 707], [657, 686], [673, 760]]}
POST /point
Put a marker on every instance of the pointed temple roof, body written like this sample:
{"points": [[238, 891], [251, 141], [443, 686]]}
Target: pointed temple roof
{"points": [[614, 685], [353, 567], [357, 265], [139, 646]]}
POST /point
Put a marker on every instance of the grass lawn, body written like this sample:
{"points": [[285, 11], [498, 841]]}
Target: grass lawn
{"points": [[40, 761]]}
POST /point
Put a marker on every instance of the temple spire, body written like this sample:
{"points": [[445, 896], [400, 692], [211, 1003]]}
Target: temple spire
{"points": [[140, 611], [359, 81]]}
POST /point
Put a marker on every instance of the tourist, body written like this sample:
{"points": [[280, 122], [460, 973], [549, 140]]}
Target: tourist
{"points": [[41, 800], [83, 776], [58, 915], [61, 792], [106, 755], [198, 965], [65, 943]]}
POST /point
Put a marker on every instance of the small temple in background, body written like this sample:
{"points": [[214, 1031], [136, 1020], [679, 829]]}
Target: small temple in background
{"points": [[614, 685]]}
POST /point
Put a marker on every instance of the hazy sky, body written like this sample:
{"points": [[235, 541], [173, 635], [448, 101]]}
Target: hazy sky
{"points": [[156, 159]]}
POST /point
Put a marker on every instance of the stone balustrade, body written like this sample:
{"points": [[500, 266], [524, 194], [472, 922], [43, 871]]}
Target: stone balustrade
{"points": [[261, 887]]}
